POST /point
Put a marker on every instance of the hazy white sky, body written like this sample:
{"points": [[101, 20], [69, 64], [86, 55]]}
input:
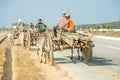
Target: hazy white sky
{"points": [[82, 11]]}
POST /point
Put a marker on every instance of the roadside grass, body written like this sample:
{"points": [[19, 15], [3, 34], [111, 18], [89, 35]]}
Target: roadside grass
{"points": [[110, 34]]}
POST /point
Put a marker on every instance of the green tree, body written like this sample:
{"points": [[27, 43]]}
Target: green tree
{"points": [[96, 27], [108, 27]]}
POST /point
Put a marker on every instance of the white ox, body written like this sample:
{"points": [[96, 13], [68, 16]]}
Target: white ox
{"points": [[21, 38], [41, 44]]}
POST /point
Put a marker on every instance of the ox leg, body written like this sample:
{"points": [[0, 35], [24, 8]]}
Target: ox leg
{"points": [[71, 53], [44, 57], [82, 57], [84, 52], [78, 53], [23, 44], [40, 55], [37, 50], [58, 45]]}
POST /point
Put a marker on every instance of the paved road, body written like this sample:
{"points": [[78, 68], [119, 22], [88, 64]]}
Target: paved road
{"points": [[108, 49], [107, 54], [105, 63]]}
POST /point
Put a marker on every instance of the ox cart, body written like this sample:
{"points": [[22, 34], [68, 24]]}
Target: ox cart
{"points": [[21, 36], [81, 41]]}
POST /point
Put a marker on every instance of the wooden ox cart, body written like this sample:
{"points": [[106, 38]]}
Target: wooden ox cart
{"points": [[81, 41]]}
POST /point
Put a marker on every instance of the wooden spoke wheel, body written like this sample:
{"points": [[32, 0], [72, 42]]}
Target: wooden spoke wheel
{"points": [[51, 51], [87, 54]]}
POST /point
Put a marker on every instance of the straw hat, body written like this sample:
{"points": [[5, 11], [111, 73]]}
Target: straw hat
{"points": [[64, 13], [67, 15]]}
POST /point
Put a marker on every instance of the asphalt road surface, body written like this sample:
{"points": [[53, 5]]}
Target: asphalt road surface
{"points": [[105, 62]]}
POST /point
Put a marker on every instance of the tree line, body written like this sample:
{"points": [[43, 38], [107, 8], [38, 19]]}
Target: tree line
{"points": [[96, 27]]}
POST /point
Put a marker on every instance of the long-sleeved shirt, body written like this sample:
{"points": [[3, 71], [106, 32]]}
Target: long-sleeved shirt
{"points": [[61, 22]]}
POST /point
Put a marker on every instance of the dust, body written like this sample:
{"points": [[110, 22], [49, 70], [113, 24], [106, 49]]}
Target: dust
{"points": [[26, 66], [17, 63]]}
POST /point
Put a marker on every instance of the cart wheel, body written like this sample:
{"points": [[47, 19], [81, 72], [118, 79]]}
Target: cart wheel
{"points": [[89, 54], [83, 58], [51, 52], [47, 47]]}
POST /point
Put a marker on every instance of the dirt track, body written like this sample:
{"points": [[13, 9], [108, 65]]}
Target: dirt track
{"points": [[21, 64]]}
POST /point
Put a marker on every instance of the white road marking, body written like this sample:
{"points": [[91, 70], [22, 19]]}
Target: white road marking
{"points": [[113, 47], [99, 67]]}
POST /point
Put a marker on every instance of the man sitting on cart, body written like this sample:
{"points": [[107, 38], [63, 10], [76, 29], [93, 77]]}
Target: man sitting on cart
{"points": [[60, 24], [69, 24], [65, 24], [41, 26]]}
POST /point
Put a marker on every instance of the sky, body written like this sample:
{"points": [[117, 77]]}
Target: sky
{"points": [[81, 11]]}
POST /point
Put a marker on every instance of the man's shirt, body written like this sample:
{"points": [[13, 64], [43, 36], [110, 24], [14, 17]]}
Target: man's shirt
{"points": [[61, 22], [70, 24]]}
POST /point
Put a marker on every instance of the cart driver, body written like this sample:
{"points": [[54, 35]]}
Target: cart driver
{"points": [[41, 26]]}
